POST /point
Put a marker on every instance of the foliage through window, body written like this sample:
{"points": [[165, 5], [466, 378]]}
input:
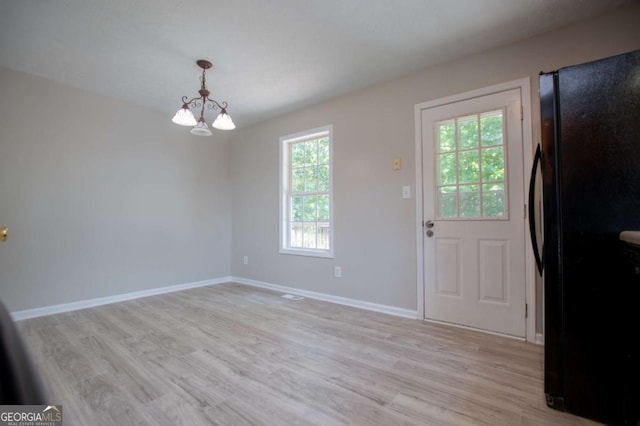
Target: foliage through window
{"points": [[306, 193], [471, 181]]}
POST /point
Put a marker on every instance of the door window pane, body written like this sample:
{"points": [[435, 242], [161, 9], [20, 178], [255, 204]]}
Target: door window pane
{"points": [[448, 170], [468, 132], [448, 201], [491, 128], [493, 164], [469, 166], [469, 201], [493, 200], [446, 136]]}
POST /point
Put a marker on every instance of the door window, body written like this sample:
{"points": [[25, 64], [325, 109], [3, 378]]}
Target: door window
{"points": [[471, 164]]}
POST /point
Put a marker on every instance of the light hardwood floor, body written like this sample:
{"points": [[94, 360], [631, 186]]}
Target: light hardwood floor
{"points": [[232, 354]]}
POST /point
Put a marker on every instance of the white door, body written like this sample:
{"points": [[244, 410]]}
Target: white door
{"points": [[474, 247]]}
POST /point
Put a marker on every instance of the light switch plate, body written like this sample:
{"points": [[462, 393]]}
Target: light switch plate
{"points": [[406, 191]]}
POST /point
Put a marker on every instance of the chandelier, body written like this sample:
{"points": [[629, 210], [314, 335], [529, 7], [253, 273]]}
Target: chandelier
{"points": [[184, 116]]}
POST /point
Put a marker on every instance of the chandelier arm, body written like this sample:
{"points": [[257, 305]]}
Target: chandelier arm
{"points": [[217, 105], [192, 101]]}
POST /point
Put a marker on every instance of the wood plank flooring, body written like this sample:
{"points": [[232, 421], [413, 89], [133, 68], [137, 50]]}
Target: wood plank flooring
{"points": [[232, 354]]}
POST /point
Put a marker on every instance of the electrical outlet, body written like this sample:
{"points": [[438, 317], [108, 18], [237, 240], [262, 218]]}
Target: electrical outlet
{"points": [[245, 260], [338, 272]]}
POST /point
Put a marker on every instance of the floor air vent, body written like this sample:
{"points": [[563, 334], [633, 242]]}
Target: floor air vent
{"points": [[292, 297]]}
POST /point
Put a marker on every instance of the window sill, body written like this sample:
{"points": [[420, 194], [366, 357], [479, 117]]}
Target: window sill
{"points": [[307, 252]]}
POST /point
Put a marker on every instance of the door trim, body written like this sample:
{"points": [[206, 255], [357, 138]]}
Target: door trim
{"points": [[524, 84]]}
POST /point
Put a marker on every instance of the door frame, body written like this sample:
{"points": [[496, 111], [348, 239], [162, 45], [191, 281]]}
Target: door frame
{"points": [[524, 84]]}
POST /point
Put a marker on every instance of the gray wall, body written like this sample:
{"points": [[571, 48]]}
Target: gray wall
{"points": [[99, 204], [102, 197], [374, 227]]}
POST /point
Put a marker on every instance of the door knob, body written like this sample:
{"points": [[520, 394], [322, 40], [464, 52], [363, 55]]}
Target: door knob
{"points": [[428, 224], [4, 233]]}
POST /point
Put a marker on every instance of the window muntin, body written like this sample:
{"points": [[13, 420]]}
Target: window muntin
{"points": [[306, 193], [471, 176]]}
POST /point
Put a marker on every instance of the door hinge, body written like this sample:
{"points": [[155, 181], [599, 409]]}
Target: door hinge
{"points": [[525, 212], [526, 310], [521, 113]]}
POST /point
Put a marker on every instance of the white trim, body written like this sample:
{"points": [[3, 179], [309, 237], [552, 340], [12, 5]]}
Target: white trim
{"points": [[539, 339], [90, 303], [369, 306], [524, 84], [527, 160], [419, 215], [502, 87], [283, 192], [308, 252], [464, 327]]}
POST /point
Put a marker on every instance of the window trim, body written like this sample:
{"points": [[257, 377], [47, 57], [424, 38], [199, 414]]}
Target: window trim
{"points": [[284, 166]]}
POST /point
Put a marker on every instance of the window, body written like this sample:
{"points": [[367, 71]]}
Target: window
{"points": [[306, 204], [470, 153]]}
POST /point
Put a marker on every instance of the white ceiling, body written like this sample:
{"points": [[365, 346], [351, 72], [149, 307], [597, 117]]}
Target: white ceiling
{"points": [[270, 56]]}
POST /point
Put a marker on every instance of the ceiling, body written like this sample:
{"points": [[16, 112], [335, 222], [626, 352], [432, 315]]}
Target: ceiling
{"points": [[270, 56]]}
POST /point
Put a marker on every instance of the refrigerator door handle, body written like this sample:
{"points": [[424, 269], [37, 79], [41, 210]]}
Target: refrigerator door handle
{"points": [[539, 255]]}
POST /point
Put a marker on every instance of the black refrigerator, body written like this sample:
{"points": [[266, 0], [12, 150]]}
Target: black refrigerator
{"points": [[590, 165]]}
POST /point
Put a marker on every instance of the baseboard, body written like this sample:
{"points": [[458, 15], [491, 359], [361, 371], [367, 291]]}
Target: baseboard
{"points": [[83, 304], [479, 330], [385, 309], [538, 338]]}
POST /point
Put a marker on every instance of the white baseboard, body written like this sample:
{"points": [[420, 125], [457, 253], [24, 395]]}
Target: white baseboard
{"points": [[83, 304], [385, 309], [480, 330], [538, 339]]}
